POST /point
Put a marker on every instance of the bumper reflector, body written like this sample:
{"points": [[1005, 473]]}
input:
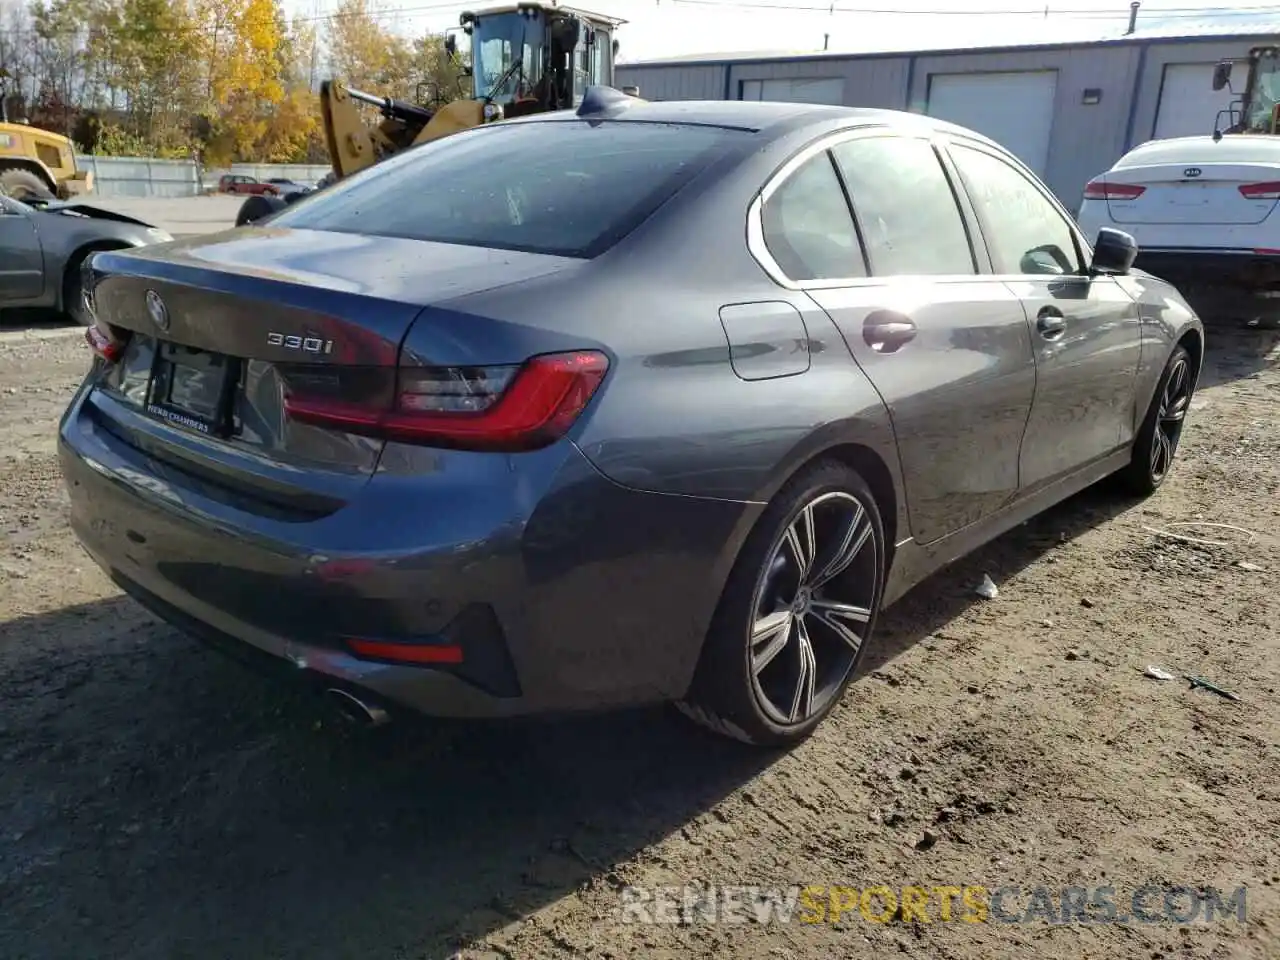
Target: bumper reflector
{"points": [[415, 653]]}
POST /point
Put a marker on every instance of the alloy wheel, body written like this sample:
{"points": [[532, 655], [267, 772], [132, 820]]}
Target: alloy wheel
{"points": [[1175, 399], [812, 606]]}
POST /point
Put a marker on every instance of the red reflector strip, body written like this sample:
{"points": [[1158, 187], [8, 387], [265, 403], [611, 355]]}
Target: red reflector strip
{"points": [[406, 652], [1101, 190], [102, 345], [1270, 190], [1266, 252]]}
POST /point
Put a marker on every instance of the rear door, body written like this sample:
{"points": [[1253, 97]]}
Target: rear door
{"points": [[1085, 329], [21, 259], [946, 347]]}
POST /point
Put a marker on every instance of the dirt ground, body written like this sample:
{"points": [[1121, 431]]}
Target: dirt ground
{"points": [[158, 800]]}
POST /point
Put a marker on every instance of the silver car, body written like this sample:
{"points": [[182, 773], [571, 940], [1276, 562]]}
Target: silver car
{"points": [[42, 248]]}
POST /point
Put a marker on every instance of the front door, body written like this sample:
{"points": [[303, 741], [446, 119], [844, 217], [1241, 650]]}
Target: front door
{"points": [[21, 261], [1085, 329]]}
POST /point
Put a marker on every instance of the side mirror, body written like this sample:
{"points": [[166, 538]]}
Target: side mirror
{"points": [[567, 32], [616, 47], [1113, 252], [1222, 75], [450, 45], [632, 91]]}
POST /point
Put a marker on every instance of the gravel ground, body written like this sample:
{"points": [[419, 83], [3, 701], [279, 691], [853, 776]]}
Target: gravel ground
{"points": [[158, 800]]}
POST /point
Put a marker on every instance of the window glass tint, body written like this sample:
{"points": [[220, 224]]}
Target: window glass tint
{"points": [[808, 228], [570, 188], [908, 214], [1024, 231]]}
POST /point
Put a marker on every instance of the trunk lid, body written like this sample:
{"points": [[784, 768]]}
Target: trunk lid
{"points": [[1195, 180], [219, 324]]}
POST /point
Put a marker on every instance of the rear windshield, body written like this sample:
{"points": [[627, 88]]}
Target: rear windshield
{"points": [[569, 188]]}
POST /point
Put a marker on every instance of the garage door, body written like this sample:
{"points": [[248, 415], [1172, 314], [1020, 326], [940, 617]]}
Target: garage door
{"points": [[1013, 109], [827, 90], [1188, 103]]}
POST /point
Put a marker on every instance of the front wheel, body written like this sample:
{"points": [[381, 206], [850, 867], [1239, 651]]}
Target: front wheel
{"points": [[1157, 442], [796, 614]]}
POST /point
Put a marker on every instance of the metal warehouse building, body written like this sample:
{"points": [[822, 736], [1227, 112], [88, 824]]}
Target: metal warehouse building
{"points": [[1068, 109]]}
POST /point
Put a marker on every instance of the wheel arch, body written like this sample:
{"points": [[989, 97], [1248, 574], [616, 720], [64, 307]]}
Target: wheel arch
{"points": [[1192, 340], [75, 261]]}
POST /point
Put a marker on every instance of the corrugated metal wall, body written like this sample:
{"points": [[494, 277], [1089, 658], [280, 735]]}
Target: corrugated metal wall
{"points": [[673, 82], [146, 177], [869, 82], [1085, 139]]}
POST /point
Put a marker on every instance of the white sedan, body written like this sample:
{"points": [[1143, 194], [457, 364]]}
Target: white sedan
{"points": [[1203, 211]]}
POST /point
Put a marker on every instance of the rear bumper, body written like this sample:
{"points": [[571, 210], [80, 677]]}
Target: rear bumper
{"points": [[1239, 269], [564, 590]]}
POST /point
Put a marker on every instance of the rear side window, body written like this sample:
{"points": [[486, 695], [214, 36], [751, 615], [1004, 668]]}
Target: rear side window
{"points": [[904, 204], [808, 227], [569, 188]]}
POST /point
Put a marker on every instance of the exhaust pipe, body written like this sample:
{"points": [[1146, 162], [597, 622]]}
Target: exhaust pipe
{"points": [[355, 711]]}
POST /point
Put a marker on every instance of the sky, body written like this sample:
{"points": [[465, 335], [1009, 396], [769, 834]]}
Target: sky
{"points": [[665, 28]]}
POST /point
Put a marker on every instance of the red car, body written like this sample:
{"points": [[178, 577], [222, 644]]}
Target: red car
{"points": [[239, 183]]}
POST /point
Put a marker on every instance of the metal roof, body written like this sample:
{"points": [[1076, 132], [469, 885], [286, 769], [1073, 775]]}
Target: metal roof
{"points": [[1052, 32]]}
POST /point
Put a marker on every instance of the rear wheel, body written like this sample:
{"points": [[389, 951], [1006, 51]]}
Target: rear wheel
{"points": [[24, 185], [1161, 430], [796, 613]]}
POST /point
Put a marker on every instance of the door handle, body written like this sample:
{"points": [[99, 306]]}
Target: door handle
{"points": [[885, 334], [1051, 323]]}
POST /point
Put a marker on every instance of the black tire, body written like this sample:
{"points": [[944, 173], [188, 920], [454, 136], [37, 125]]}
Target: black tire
{"points": [[257, 207], [24, 185], [769, 604], [1156, 445], [73, 307]]}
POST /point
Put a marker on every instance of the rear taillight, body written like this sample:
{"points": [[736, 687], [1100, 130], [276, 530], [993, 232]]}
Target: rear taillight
{"points": [[101, 344], [1261, 191], [499, 408], [1102, 190]]}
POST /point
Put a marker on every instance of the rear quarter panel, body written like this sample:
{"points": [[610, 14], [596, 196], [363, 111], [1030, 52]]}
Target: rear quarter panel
{"points": [[673, 416]]}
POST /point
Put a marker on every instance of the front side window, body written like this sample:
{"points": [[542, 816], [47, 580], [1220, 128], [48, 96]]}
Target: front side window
{"points": [[1024, 231], [564, 187], [910, 221], [808, 227]]}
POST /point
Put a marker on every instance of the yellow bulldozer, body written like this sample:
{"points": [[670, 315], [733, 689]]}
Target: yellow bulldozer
{"points": [[526, 58], [1258, 108], [36, 164]]}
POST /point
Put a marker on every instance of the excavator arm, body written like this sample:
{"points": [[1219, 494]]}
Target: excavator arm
{"points": [[353, 144]]}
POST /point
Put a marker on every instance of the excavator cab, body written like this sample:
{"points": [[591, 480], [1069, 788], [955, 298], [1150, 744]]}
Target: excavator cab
{"points": [[530, 57], [535, 57], [1258, 108]]}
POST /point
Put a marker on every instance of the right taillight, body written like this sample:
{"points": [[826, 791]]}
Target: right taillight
{"points": [[1100, 189], [496, 408], [1270, 190]]}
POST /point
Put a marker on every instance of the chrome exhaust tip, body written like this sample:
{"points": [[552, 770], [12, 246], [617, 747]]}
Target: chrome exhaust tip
{"points": [[355, 711]]}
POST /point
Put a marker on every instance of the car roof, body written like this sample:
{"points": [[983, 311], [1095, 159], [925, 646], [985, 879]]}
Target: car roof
{"points": [[757, 115]]}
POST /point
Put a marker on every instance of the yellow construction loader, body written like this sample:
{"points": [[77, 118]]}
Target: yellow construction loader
{"points": [[1258, 108], [36, 164], [526, 58]]}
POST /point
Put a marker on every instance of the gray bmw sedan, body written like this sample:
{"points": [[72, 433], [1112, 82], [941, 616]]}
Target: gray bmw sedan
{"points": [[640, 402]]}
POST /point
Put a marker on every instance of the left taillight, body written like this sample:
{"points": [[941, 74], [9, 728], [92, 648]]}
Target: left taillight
{"points": [[1269, 190], [491, 408], [102, 344]]}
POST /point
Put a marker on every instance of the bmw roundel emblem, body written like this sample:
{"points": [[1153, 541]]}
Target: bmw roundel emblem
{"points": [[157, 311]]}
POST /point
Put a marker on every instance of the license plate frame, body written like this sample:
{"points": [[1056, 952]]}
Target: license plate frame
{"points": [[193, 388]]}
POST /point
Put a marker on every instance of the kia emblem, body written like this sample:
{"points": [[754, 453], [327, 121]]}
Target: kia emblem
{"points": [[1192, 172], [157, 311]]}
